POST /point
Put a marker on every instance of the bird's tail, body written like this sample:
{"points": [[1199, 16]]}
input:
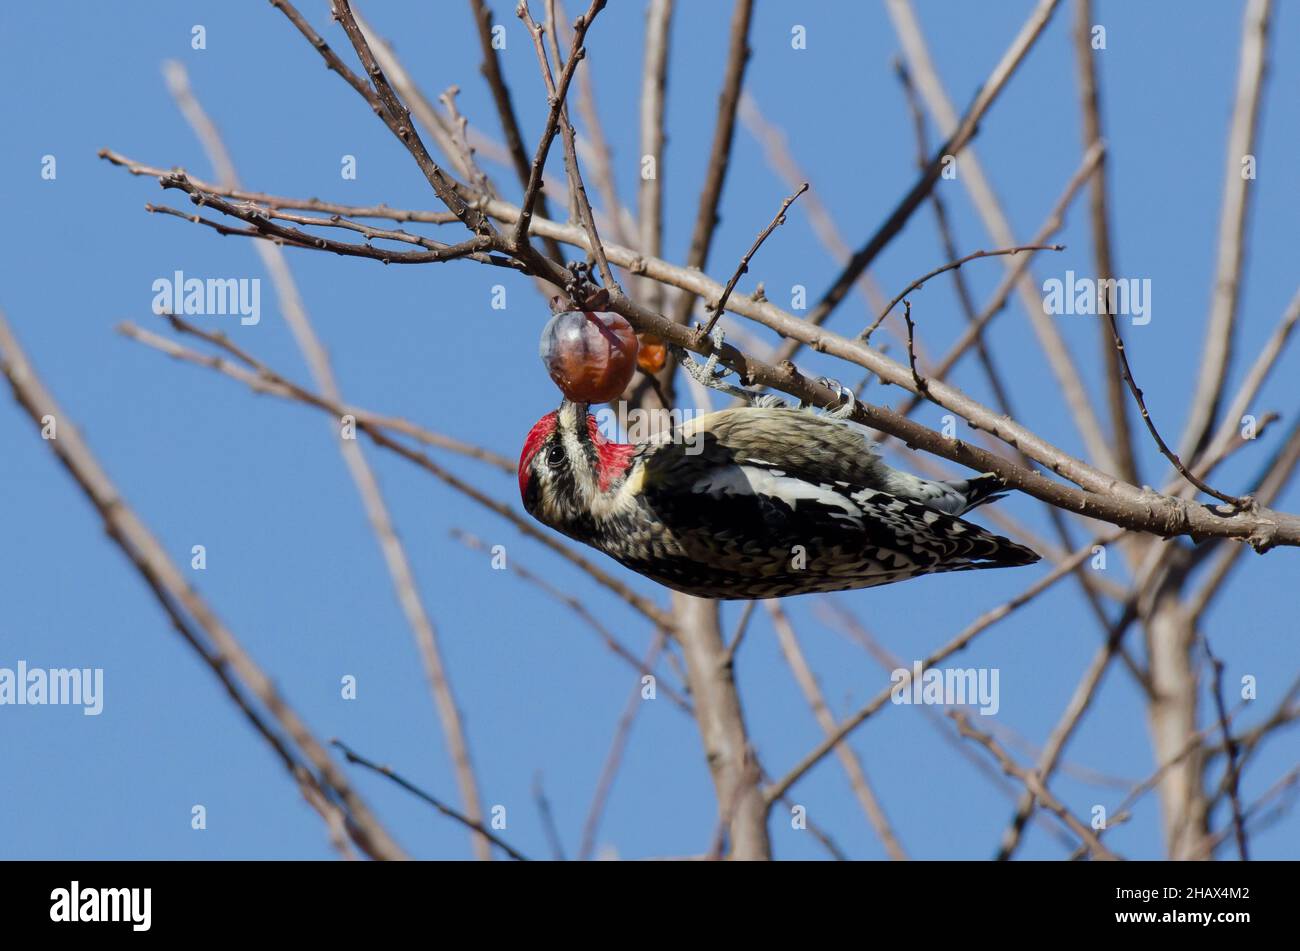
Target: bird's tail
{"points": [[1006, 554], [978, 491], [978, 547]]}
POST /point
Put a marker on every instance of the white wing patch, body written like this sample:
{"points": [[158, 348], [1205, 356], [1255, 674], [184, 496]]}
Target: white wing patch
{"points": [[753, 480]]}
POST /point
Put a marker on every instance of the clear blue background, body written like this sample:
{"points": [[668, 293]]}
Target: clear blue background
{"points": [[292, 566]]}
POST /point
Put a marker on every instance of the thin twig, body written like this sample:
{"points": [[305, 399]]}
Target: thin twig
{"points": [[654, 82], [1256, 818], [865, 336], [1230, 429], [974, 331], [132, 167], [477, 247], [1237, 188], [1250, 741], [622, 226], [577, 607], [472, 824], [1047, 330], [368, 423], [921, 386], [1232, 775], [1276, 475], [519, 237], [1239, 502], [742, 626], [547, 816], [577, 190], [373, 503], [1090, 97], [956, 142], [460, 141], [1034, 784], [438, 127], [721, 304], [491, 70], [613, 759], [807, 681], [980, 624], [724, 135]]}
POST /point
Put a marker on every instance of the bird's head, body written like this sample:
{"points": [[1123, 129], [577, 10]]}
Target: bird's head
{"points": [[566, 463]]}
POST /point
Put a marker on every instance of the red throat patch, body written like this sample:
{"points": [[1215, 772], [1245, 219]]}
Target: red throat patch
{"points": [[536, 436], [612, 457]]}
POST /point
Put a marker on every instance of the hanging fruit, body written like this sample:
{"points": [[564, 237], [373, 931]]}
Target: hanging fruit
{"points": [[652, 354], [591, 355]]}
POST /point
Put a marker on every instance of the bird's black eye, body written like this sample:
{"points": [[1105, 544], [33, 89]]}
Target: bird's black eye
{"points": [[555, 456]]}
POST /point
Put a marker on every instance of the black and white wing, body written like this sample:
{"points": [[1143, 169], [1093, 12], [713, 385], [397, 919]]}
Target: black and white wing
{"points": [[750, 515]]}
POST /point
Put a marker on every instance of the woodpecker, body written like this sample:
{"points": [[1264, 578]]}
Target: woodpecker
{"points": [[759, 501]]}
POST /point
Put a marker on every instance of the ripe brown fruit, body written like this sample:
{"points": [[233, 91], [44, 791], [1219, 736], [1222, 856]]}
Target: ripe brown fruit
{"points": [[591, 355], [652, 355]]}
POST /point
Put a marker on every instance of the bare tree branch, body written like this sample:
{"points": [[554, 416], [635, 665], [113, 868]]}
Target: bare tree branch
{"points": [[1127, 372], [491, 70], [1084, 694], [323, 784], [1105, 497], [577, 190], [807, 681], [1221, 329], [519, 238], [1045, 328], [724, 134], [650, 195], [1090, 97], [957, 141], [865, 336], [717, 307], [581, 610], [376, 509], [370, 424], [474, 825], [1232, 773], [613, 759], [1034, 784], [980, 624]]}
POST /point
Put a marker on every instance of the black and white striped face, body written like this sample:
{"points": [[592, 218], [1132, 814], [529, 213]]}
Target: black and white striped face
{"points": [[558, 470]]}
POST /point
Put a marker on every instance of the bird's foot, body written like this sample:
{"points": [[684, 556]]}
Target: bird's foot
{"points": [[847, 401], [707, 373]]}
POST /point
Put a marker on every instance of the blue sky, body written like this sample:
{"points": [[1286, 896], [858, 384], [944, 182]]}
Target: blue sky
{"points": [[292, 566]]}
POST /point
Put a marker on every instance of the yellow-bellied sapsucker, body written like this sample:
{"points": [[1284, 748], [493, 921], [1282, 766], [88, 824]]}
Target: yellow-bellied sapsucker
{"points": [[754, 502]]}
